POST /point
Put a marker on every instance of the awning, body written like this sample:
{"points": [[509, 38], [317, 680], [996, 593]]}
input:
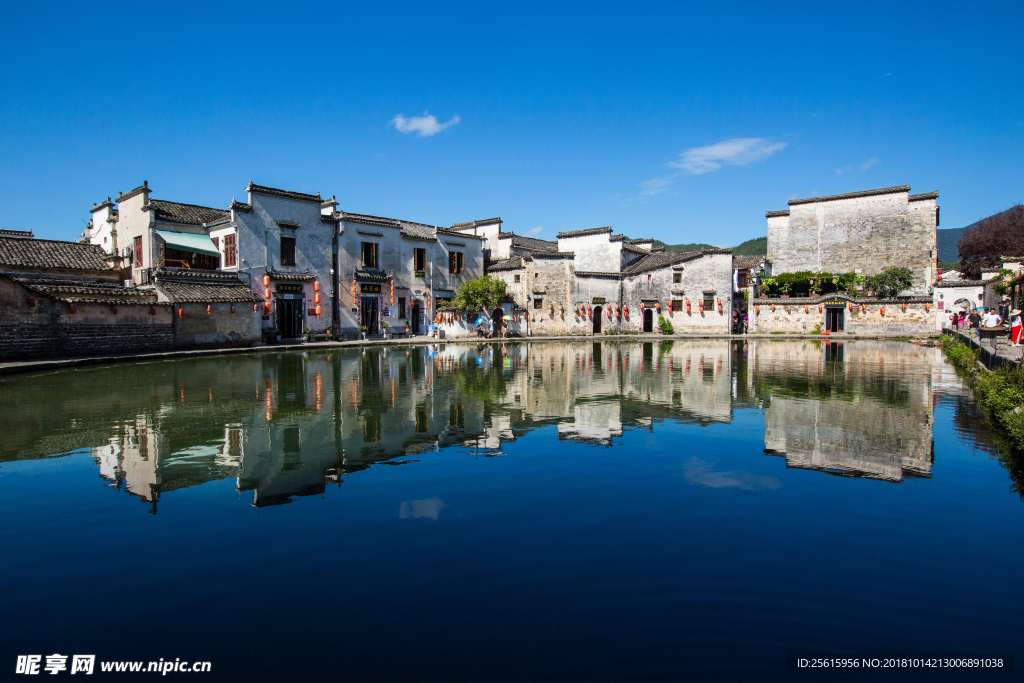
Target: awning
{"points": [[189, 241]]}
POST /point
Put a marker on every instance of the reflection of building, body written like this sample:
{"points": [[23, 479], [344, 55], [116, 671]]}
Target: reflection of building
{"points": [[866, 415], [288, 424]]}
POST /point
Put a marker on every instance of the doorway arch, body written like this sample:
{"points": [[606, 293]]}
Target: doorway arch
{"points": [[496, 319], [597, 319], [648, 320]]}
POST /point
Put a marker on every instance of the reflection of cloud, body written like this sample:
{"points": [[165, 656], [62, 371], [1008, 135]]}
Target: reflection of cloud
{"points": [[702, 473], [428, 508]]}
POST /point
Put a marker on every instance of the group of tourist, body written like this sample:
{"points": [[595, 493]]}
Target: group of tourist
{"points": [[990, 318]]}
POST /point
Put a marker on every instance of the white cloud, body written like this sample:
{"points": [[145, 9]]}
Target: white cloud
{"points": [[533, 232], [735, 152], [657, 185], [868, 164], [424, 126], [839, 171]]}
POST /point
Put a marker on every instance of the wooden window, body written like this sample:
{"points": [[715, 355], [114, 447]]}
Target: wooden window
{"points": [[456, 261], [216, 243], [677, 305], [709, 300], [518, 277], [370, 254], [538, 304], [420, 259], [677, 278], [287, 251], [230, 256], [137, 251]]}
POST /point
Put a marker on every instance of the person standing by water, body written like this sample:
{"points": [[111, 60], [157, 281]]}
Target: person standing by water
{"points": [[1015, 327], [974, 321]]}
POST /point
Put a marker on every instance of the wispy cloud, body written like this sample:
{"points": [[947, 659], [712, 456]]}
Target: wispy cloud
{"points": [[734, 152], [533, 232], [868, 164], [657, 185], [424, 126]]}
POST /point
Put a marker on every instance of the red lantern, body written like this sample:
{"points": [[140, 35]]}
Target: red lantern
{"points": [[719, 305], [113, 309], [641, 306], [254, 308], [316, 298], [72, 309], [881, 310], [687, 306], [807, 309], [927, 307], [863, 308], [266, 307], [152, 310], [773, 307], [318, 311], [316, 286], [789, 309], [625, 310], [819, 308], [670, 306], [609, 312], [757, 309], [266, 280], [31, 302], [903, 306], [266, 293], [181, 312], [657, 307], [232, 308]]}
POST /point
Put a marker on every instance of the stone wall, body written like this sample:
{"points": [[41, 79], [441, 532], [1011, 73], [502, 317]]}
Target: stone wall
{"points": [[803, 315], [864, 234], [195, 328], [50, 330]]}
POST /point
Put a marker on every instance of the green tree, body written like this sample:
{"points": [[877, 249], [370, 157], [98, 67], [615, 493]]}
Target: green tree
{"points": [[891, 281], [483, 294]]}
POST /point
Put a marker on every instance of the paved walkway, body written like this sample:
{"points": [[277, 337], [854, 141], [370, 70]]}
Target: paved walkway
{"points": [[18, 367]]}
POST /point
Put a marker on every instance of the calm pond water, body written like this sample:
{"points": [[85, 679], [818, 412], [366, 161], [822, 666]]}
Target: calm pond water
{"points": [[546, 511]]}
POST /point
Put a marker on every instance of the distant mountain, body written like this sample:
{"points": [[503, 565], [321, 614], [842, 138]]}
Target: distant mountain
{"points": [[755, 247], [946, 242]]}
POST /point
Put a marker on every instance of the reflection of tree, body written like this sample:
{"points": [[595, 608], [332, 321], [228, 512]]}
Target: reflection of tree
{"points": [[486, 384], [832, 383], [980, 429]]}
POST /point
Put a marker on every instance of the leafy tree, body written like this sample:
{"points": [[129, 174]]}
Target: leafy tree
{"points": [[982, 244], [483, 294], [666, 325], [891, 281]]}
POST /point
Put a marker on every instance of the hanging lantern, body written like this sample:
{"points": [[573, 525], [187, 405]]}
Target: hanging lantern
{"points": [[113, 309], [353, 290], [266, 293], [641, 306], [851, 307], [316, 286], [266, 307], [807, 309], [719, 305], [318, 313], [266, 280], [757, 309], [72, 309], [903, 306], [773, 307], [316, 298], [609, 312], [657, 307], [863, 308], [687, 306], [232, 308], [181, 312], [700, 305], [254, 308], [152, 310], [670, 306], [819, 308], [208, 308], [789, 309], [625, 310], [881, 310], [31, 302]]}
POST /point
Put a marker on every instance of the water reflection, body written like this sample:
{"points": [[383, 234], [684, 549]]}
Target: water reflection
{"points": [[286, 425]]}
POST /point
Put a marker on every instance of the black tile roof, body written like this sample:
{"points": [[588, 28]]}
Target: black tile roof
{"points": [[961, 283], [921, 197], [473, 224], [668, 258], [851, 195], [372, 274], [532, 243], [287, 276], [775, 214], [583, 233], [20, 252], [121, 196], [83, 289], [184, 285], [288, 194], [508, 264], [187, 214], [741, 262], [21, 234]]}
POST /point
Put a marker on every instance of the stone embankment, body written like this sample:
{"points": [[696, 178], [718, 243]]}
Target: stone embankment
{"points": [[18, 367]]}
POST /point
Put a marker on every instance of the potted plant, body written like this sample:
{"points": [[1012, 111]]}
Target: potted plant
{"points": [[305, 334], [362, 331], [385, 325]]}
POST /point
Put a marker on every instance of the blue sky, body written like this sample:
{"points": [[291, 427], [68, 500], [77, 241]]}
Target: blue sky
{"points": [[682, 122]]}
